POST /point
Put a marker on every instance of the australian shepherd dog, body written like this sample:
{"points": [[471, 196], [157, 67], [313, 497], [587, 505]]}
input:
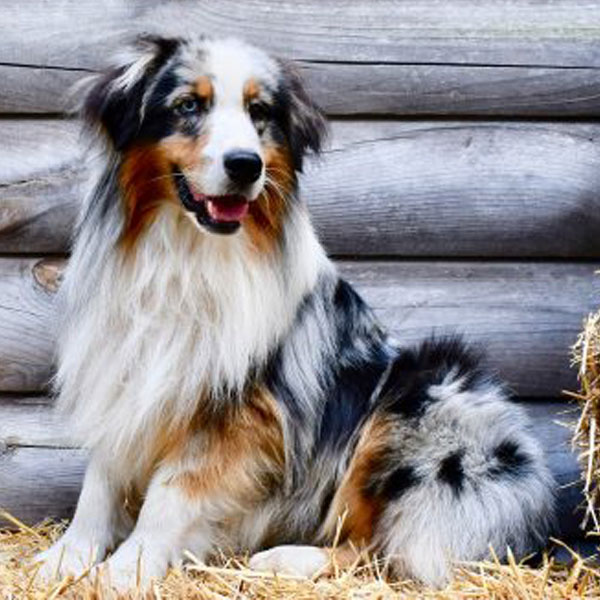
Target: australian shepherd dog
{"points": [[234, 392]]}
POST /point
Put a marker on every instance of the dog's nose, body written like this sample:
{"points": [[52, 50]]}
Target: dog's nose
{"points": [[243, 166]]}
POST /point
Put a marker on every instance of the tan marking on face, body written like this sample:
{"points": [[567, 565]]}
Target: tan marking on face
{"points": [[203, 88], [146, 179], [144, 187], [251, 91], [361, 512], [267, 213], [184, 151], [242, 457]]}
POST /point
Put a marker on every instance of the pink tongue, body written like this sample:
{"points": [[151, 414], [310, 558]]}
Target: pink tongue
{"points": [[228, 208]]}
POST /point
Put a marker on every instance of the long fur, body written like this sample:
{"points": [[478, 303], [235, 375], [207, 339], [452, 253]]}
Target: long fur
{"points": [[234, 384]]}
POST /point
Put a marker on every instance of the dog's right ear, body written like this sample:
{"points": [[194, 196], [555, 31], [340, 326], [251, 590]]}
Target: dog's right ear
{"points": [[306, 126], [114, 101]]}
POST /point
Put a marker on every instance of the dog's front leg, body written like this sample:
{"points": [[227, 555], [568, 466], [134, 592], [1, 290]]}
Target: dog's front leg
{"points": [[167, 522], [219, 474], [98, 522]]}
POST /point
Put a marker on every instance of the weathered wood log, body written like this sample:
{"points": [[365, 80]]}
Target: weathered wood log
{"points": [[40, 173], [384, 90], [423, 32], [425, 188], [36, 483], [526, 315], [453, 90], [27, 324], [30, 90], [41, 480], [459, 189], [417, 58], [31, 421]]}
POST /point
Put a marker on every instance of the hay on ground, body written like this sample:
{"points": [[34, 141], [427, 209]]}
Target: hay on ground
{"points": [[230, 578], [586, 437]]}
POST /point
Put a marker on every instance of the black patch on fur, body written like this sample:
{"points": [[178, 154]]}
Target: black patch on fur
{"points": [[451, 471], [119, 111], [347, 376], [298, 118], [159, 120], [353, 318], [326, 501], [405, 391], [274, 369], [510, 460], [391, 485], [356, 371], [347, 402]]}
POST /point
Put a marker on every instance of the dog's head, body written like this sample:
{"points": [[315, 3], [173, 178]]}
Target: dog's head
{"points": [[216, 126]]}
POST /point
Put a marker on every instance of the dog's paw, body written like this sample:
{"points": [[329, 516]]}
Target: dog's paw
{"points": [[65, 557], [131, 567], [304, 561]]}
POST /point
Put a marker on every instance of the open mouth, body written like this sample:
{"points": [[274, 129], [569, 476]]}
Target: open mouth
{"points": [[220, 214]]}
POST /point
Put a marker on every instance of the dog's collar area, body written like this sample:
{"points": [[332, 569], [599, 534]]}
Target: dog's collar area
{"points": [[199, 207]]}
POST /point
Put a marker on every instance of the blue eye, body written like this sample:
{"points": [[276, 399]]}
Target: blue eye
{"points": [[188, 106]]}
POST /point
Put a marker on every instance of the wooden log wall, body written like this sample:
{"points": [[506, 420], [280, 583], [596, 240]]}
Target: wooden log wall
{"points": [[460, 189]]}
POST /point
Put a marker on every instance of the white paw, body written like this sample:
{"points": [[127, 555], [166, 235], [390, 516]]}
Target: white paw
{"points": [[305, 561], [131, 567], [66, 557]]}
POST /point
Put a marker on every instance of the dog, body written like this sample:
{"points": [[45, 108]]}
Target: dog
{"points": [[234, 392]]}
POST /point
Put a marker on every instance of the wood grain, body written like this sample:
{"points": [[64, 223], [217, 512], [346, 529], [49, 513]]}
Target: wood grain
{"points": [[27, 324], [40, 173], [423, 31], [36, 483], [69, 34], [31, 90], [525, 315], [31, 421], [410, 189], [385, 57], [453, 90], [41, 480], [359, 89], [459, 189]]}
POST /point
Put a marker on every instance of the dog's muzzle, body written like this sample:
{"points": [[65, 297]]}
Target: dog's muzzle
{"points": [[219, 214]]}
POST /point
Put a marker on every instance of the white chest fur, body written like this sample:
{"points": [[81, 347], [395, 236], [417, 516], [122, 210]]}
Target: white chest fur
{"points": [[148, 336]]}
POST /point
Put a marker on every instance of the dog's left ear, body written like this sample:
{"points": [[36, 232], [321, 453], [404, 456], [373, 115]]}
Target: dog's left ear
{"points": [[306, 124], [115, 99]]}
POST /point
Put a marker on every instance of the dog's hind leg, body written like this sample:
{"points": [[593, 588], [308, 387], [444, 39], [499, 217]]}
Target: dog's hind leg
{"points": [[305, 561], [445, 467]]}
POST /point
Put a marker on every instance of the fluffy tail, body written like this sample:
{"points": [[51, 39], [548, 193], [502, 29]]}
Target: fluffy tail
{"points": [[464, 472]]}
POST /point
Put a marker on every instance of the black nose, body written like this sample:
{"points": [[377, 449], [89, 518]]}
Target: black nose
{"points": [[242, 166]]}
